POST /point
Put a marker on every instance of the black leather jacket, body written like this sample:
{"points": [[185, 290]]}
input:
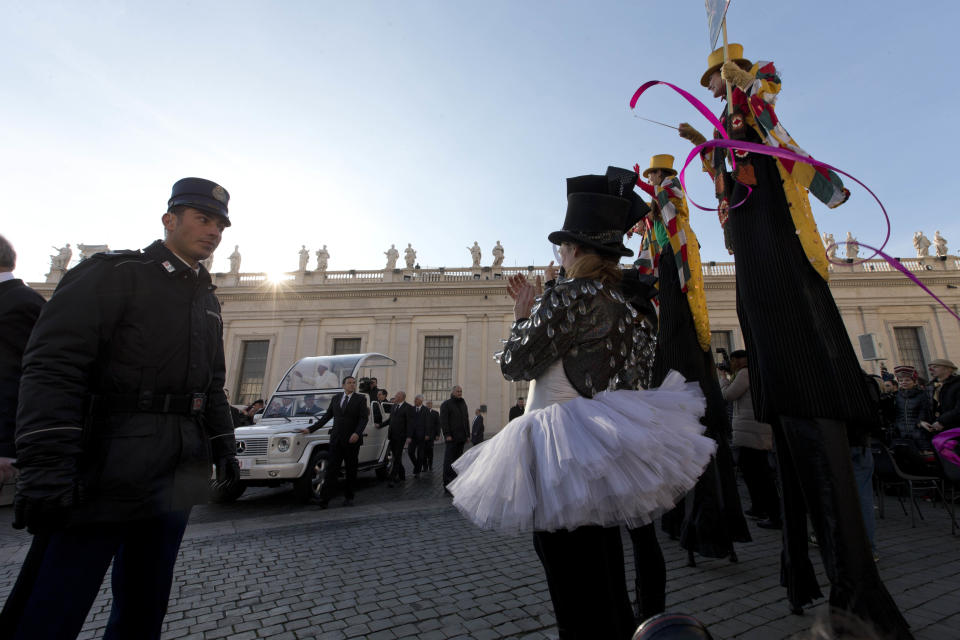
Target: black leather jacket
{"points": [[603, 341]]}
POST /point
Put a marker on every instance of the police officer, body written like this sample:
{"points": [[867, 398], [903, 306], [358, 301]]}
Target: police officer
{"points": [[121, 413]]}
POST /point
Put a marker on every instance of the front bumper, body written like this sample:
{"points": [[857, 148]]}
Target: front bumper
{"points": [[263, 469]]}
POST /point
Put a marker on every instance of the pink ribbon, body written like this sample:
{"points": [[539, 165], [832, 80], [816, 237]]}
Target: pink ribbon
{"points": [[896, 264], [778, 152], [706, 113]]}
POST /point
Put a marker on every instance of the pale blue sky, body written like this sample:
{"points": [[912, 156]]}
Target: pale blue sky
{"points": [[360, 124]]}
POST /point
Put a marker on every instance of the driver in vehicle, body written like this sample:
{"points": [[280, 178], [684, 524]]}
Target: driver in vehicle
{"points": [[309, 406]]}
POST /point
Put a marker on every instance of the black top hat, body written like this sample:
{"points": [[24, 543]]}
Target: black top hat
{"points": [[200, 194], [600, 209]]}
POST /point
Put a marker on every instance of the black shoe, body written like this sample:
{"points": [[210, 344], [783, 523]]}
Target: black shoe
{"points": [[348, 502], [322, 504], [770, 524], [756, 514]]}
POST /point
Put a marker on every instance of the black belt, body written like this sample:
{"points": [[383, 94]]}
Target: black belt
{"points": [[147, 402]]}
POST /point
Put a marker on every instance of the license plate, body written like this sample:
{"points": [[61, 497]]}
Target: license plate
{"points": [[245, 463]]}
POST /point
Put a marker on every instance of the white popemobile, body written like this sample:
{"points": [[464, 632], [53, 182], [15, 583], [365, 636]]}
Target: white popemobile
{"points": [[273, 450]]}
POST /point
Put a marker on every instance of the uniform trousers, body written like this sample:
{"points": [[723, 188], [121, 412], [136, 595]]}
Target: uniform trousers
{"points": [[64, 570], [587, 582], [341, 454]]}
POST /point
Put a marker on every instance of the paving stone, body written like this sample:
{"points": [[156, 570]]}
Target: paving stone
{"points": [[268, 566]]}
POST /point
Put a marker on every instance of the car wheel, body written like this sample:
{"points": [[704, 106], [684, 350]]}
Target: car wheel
{"points": [[384, 470], [307, 486], [226, 494]]}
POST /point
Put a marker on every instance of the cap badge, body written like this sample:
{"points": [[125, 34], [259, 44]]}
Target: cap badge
{"points": [[219, 193], [169, 267]]}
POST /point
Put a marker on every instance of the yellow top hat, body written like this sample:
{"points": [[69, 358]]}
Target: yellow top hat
{"points": [[715, 61], [662, 161]]}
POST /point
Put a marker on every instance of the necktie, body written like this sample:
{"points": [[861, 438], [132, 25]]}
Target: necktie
{"points": [[343, 402]]}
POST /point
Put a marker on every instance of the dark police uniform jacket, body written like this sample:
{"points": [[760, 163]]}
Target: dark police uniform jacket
{"points": [[122, 409]]}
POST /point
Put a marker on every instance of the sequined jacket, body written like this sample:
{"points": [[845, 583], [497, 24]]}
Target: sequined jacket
{"points": [[603, 341]]}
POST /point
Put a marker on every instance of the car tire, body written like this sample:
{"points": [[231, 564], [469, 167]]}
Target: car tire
{"points": [[307, 487], [226, 494], [383, 471]]}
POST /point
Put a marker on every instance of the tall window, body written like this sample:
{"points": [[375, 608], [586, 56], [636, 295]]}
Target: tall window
{"points": [[720, 340], [253, 368], [437, 367], [910, 348], [346, 345]]}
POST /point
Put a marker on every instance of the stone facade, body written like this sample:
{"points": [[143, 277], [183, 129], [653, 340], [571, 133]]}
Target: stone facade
{"points": [[396, 311]]}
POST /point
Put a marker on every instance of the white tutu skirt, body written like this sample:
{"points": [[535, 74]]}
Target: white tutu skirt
{"points": [[623, 457]]}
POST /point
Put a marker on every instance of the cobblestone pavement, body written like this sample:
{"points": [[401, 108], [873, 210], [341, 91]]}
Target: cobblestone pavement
{"points": [[404, 564]]}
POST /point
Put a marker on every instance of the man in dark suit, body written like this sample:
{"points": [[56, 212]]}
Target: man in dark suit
{"points": [[380, 414], [517, 410], [476, 430], [417, 434], [19, 307], [401, 422], [433, 434], [349, 413]]}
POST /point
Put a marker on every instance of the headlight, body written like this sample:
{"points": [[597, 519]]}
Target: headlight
{"points": [[283, 444]]}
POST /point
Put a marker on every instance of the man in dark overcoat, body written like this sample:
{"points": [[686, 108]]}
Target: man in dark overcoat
{"points": [[455, 424], [349, 412], [19, 308], [121, 414]]}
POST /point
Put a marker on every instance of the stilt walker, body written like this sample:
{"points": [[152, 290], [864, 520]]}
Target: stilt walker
{"points": [[805, 378], [710, 519]]}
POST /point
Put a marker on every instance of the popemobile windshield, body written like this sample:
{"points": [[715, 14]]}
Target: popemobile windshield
{"points": [[273, 451]]}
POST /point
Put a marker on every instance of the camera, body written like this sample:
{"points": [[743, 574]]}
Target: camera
{"points": [[725, 364], [363, 385]]}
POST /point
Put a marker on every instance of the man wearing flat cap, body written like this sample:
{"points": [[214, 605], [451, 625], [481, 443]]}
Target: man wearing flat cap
{"points": [[121, 413], [946, 395]]}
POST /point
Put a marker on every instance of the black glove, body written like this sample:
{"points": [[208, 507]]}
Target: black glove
{"points": [[42, 515], [228, 471]]}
